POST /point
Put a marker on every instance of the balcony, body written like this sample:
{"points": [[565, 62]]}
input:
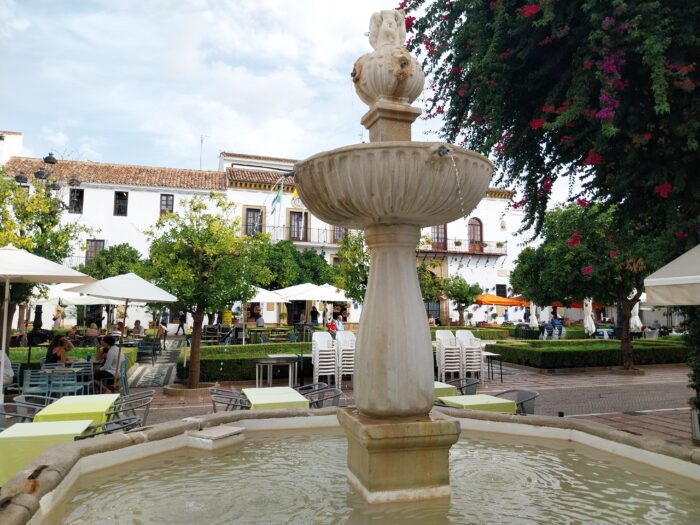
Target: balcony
{"points": [[464, 246], [310, 236]]}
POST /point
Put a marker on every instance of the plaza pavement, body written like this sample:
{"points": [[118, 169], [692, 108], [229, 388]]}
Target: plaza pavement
{"points": [[653, 404]]}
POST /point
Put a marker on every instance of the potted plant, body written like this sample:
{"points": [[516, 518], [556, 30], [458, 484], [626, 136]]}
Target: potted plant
{"points": [[458, 242], [483, 244], [494, 315], [283, 317], [470, 316], [500, 244]]}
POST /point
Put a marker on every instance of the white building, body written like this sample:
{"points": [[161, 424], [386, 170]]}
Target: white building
{"points": [[118, 203], [10, 145]]}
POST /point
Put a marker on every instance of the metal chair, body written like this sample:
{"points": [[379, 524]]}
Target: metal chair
{"points": [[64, 382], [86, 376], [225, 403], [465, 385], [122, 409], [16, 369], [320, 398], [524, 400], [148, 349], [36, 382], [11, 413], [313, 387], [110, 427], [34, 400]]}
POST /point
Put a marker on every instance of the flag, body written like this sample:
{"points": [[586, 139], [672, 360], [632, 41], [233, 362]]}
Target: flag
{"points": [[295, 195], [277, 198]]}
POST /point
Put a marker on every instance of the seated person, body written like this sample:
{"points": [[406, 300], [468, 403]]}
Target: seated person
{"points": [[655, 325], [72, 331], [260, 322], [93, 331], [138, 329], [557, 325], [108, 371], [548, 329], [57, 351]]}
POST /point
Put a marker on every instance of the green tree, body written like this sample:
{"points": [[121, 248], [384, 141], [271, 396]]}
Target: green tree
{"points": [[202, 259], [116, 260], [463, 294], [281, 259], [601, 90], [31, 219], [583, 255], [430, 284], [314, 268], [353, 266]]}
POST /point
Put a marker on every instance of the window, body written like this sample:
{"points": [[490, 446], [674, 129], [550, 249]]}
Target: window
{"points": [[253, 221], [75, 201], [501, 290], [339, 234], [93, 247], [475, 235], [167, 203], [298, 223], [439, 235], [336, 262], [121, 203]]}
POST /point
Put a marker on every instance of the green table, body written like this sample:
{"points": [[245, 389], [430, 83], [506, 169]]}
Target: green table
{"points": [[443, 390], [22, 442], [72, 408], [275, 397], [480, 402]]}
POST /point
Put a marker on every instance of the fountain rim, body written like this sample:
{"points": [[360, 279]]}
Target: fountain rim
{"points": [[394, 144]]}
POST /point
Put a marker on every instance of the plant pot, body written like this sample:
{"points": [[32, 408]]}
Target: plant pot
{"points": [[695, 425]]}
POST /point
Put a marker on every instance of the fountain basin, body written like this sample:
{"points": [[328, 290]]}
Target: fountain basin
{"points": [[393, 183], [505, 469]]}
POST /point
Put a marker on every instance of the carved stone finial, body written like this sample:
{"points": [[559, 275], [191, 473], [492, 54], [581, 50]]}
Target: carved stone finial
{"points": [[389, 71]]}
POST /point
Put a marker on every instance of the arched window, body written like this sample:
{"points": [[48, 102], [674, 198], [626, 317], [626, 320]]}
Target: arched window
{"points": [[476, 235]]}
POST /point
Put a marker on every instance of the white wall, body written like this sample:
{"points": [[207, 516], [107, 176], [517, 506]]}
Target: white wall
{"points": [[10, 146]]}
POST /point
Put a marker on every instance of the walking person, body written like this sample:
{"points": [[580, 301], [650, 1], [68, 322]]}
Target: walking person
{"points": [[182, 319], [314, 317]]}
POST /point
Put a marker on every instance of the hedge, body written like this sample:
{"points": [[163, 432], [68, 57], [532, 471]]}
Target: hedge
{"points": [[586, 353], [489, 334], [237, 362]]}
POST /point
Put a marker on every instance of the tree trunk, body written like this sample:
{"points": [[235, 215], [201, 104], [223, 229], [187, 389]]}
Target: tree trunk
{"points": [[7, 330], [22, 315], [193, 375], [460, 311], [626, 337]]}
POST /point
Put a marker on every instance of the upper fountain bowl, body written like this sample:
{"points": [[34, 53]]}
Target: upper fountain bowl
{"points": [[420, 183]]}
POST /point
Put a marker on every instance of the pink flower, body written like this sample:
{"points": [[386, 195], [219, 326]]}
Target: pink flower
{"points": [[494, 4], [548, 108], [592, 158], [587, 270], [587, 64], [547, 184], [607, 22], [402, 5], [537, 123], [531, 10], [575, 239], [519, 204], [562, 108], [681, 234], [456, 70], [623, 27], [583, 203], [664, 190], [647, 137], [409, 22], [613, 254]]}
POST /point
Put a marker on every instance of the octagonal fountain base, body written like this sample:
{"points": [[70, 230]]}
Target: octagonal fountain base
{"points": [[401, 459]]}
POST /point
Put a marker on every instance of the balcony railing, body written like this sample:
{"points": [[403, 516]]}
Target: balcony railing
{"points": [[308, 235], [465, 246]]}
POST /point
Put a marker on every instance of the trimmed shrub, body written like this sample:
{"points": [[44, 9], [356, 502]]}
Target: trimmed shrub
{"points": [[586, 353], [490, 334]]}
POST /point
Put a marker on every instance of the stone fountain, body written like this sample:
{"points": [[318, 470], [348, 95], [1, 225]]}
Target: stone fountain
{"points": [[391, 188]]}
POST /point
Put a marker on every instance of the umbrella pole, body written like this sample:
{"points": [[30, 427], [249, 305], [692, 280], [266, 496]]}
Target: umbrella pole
{"points": [[5, 308]]}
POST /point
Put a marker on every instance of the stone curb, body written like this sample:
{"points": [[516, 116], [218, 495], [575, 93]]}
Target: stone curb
{"points": [[648, 443]]}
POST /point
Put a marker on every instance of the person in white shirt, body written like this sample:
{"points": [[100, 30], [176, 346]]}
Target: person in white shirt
{"points": [[7, 374], [339, 324], [104, 377]]}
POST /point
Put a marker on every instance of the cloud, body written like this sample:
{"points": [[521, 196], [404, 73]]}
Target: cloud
{"points": [[57, 138]]}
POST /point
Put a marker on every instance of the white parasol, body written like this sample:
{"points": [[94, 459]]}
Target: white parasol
{"points": [[588, 323], [533, 315], [20, 266]]}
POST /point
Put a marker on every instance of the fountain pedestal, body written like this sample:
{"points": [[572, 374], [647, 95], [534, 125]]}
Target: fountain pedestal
{"points": [[398, 459]]}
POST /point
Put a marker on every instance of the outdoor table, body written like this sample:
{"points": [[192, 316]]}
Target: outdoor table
{"points": [[72, 408], [443, 389], [288, 360], [275, 397], [490, 356], [22, 442], [480, 402]]}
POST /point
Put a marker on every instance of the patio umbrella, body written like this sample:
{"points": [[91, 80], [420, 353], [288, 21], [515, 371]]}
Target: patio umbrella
{"points": [[266, 296], [497, 300], [323, 292], [545, 314], [677, 283], [588, 323], [127, 287], [58, 293], [635, 321], [533, 315], [20, 266]]}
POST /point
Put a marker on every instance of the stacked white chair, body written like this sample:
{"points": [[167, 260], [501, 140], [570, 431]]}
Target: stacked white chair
{"points": [[470, 348], [449, 356], [345, 345], [324, 356]]}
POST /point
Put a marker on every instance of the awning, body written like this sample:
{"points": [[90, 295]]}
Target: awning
{"points": [[677, 283]]}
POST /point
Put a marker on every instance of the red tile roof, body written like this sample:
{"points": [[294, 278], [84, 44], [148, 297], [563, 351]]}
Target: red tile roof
{"points": [[257, 157], [10, 132], [123, 174], [264, 177]]}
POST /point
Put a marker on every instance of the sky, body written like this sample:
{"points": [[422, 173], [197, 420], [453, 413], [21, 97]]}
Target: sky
{"points": [[140, 82]]}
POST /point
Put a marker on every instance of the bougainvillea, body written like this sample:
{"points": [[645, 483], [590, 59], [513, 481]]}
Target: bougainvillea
{"points": [[601, 90]]}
